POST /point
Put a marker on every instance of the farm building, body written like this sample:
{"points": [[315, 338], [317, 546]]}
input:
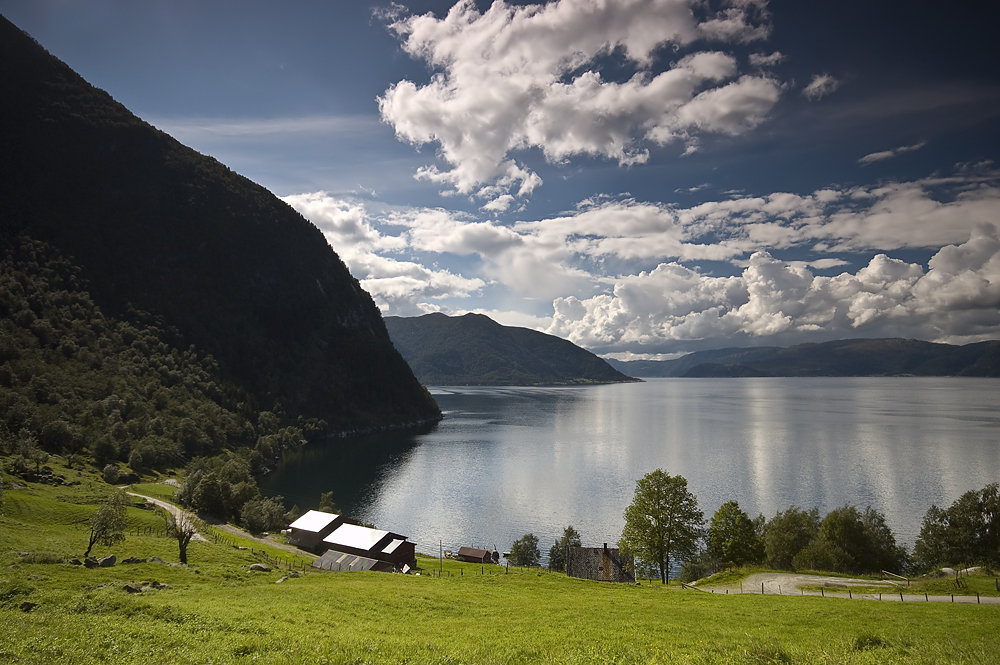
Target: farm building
{"points": [[603, 564], [334, 560], [308, 531], [476, 555], [371, 543]]}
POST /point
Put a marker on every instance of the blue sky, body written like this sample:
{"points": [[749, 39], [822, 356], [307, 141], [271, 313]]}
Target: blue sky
{"points": [[642, 177]]}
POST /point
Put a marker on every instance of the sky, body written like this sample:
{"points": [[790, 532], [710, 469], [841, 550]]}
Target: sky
{"points": [[642, 177]]}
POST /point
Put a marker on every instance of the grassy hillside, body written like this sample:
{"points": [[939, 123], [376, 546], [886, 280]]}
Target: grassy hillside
{"points": [[216, 610], [218, 260], [475, 350]]}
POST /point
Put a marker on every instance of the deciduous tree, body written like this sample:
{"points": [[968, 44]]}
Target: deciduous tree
{"points": [[967, 532], [732, 538], [663, 523], [557, 553], [524, 551], [787, 534], [107, 525], [180, 527]]}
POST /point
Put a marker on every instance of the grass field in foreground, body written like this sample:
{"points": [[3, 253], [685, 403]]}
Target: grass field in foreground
{"points": [[216, 611]]}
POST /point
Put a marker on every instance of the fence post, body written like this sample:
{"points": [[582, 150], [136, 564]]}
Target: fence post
{"points": [[762, 588]]}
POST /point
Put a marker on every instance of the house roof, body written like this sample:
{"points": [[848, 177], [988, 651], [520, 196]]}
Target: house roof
{"points": [[313, 520], [357, 537], [474, 552]]}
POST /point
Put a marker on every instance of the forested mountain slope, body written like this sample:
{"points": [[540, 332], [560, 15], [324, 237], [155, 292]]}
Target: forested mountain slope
{"points": [[216, 260], [475, 350]]}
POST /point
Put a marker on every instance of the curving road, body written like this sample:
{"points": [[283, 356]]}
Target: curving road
{"points": [[228, 528], [178, 513], [787, 584]]}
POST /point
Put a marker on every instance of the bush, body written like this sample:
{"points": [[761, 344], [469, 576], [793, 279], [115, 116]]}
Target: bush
{"points": [[696, 568], [111, 474], [821, 554]]}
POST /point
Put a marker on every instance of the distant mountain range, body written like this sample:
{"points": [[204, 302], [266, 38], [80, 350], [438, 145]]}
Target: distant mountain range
{"points": [[846, 357], [476, 350]]}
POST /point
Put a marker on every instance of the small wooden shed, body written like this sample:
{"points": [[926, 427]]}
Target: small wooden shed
{"points": [[475, 555]]}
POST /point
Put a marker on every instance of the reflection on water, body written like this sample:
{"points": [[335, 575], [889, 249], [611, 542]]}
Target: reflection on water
{"points": [[508, 461]]}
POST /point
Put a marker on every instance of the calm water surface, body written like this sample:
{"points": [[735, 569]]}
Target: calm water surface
{"points": [[507, 461]]}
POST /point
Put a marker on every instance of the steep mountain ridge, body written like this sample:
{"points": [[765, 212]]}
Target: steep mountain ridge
{"points": [[476, 350], [217, 259]]}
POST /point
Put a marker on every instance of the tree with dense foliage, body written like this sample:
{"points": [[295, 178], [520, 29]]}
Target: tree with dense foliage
{"points": [[180, 527], [107, 525], [663, 522], [847, 540], [524, 551], [788, 533], [557, 553], [326, 503], [967, 532], [732, 538], [263, 514]]}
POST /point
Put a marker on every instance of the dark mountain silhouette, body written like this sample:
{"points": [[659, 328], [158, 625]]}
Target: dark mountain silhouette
{"points": [[213, 258], [846, 357], [476, 350]]}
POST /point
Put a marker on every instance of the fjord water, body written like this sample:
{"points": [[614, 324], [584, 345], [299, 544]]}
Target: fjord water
{"points": [[508, 461]]}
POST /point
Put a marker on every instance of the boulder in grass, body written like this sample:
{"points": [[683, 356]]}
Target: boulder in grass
{"points": [[155, 559], [128, 588], [27, 606], [108, 561], [91, 562], [133, 559], [260, 567], [76, 562]]}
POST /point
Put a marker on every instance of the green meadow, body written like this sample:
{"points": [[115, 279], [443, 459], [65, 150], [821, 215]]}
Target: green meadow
{"points": [[217, 611]]}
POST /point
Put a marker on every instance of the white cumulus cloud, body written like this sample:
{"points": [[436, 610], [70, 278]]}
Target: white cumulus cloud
{"points": [[398, 287], [518, 77], [957, 299]]}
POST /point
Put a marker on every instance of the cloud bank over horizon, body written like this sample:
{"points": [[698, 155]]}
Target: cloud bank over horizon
{"points": [[641, 277]]}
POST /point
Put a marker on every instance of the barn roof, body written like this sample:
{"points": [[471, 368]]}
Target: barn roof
{"points": [[334, 560], [357, 537], [391, 547], [474, 552], [313, 520]]}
